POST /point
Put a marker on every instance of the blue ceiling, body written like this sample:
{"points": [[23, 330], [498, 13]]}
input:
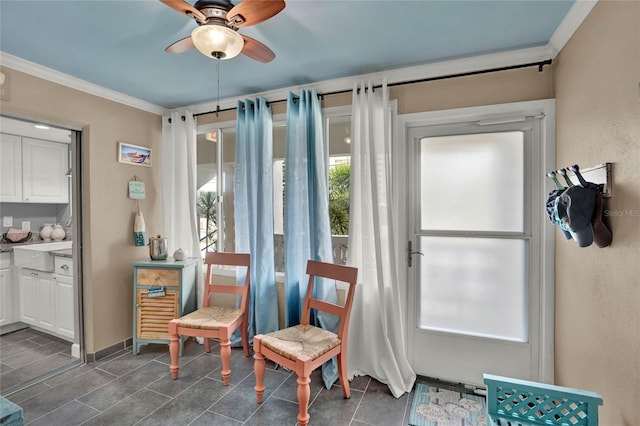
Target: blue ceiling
{"points": [[120, 44]]}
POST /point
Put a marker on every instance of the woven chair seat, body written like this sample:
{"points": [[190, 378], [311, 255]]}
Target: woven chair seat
{"points": [[300, 340], [210, 318]]}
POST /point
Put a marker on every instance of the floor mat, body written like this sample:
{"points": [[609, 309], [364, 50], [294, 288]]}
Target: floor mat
{"points": [[433, 406]]}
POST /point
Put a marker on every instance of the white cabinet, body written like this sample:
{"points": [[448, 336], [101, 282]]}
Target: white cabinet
{"points": [[10, 168], [37, 299], [63, 290], [6, 297], [64, 301], [33, 170]]}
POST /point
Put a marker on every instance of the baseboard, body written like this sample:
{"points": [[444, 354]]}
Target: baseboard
{"points": [[10, 328], [75, 350], [109, 350]]}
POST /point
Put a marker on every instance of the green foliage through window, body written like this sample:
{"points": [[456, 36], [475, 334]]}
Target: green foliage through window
{"points": [[207, 208], [339, 178]]}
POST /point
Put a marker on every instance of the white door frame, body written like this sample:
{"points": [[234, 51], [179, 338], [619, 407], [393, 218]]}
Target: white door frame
{"points": [[492, 113]]}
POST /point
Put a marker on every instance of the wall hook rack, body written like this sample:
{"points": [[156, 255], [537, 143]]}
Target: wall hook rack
{"points": [[574, 175]]}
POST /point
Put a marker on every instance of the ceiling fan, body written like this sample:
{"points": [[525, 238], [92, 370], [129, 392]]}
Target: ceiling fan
{"points": [[216, 35]]}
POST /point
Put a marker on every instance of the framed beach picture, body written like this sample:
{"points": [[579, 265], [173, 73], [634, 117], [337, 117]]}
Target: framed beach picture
{"points": [[133, 154]]}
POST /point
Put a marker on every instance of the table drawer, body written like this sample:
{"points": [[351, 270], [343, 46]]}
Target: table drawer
{"points": [[165, 277]]}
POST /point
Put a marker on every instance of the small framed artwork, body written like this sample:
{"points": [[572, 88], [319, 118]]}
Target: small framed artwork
{"points": [[133, 154]]}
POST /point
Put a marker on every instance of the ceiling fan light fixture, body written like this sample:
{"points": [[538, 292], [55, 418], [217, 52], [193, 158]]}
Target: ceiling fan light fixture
{"points": [[217, 41]]}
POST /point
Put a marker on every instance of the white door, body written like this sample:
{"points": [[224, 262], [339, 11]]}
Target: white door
{"points": [[475, 229]]}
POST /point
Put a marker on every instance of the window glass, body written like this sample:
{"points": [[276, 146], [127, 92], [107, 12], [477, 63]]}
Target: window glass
{"points": [[474, 286], [217, 213], [215, 197], [339, 145], [207, 191], [473, 182]]}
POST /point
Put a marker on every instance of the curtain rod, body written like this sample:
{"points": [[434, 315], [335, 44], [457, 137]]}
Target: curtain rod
{"points": [[539, 64]]}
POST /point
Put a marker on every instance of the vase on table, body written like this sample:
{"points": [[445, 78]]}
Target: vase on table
{"points": [[58, 233], [45, 232]]}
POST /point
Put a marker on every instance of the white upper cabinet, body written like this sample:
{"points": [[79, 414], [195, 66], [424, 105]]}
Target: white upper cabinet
{"points": [[10, 168], [33, 170]]}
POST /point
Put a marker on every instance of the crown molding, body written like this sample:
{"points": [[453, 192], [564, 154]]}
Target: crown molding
{"points": [[576, 15], [45, 73]]}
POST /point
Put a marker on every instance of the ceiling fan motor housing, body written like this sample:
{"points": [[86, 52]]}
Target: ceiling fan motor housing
{"points": [[216, 35]]}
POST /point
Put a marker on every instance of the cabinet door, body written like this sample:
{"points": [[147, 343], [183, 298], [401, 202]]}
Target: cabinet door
{"points": [[6, 297], [10, 168], [45, 165], [64, 307], [29, 298], [154, 313], [46, 316]]}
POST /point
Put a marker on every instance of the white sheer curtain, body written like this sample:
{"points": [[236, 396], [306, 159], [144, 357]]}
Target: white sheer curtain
{"points": [[376, 333], [180, 217]]}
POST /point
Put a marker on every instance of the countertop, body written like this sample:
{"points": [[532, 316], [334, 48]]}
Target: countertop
{"points": [[4, 247], [62, 253]]}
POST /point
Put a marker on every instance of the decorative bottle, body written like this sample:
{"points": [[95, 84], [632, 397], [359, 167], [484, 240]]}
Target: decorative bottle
{"points": [[45, 232], [58, 233]]}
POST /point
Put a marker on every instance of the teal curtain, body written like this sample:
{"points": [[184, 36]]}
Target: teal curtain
{"points": [[307, 231], [253, 188]]}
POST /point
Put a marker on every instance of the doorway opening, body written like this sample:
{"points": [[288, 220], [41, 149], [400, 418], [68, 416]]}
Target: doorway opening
{"points": [[41, 333]]}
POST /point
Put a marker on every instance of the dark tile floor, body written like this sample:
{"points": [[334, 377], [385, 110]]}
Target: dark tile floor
{"points": [[28, 354], [124, 389]]}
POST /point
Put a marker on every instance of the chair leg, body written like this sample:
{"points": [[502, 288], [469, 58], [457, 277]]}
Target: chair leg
{"points": [[225, 354], [258, 367], [245, 335], [304, 394], [174, 349], [207, 345], [342, 374]]}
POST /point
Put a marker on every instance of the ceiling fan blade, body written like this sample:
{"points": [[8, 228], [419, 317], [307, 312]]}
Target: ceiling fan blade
{"points": [[184, 7], [256, 50], [251, 12], [180, 46]]}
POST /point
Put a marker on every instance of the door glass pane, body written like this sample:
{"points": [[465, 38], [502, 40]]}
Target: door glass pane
{"points": [[472, 182], [474, 286]]}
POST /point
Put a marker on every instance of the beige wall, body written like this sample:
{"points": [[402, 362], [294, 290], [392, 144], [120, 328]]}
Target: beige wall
{"points": [[108, 214], [598, 290]]}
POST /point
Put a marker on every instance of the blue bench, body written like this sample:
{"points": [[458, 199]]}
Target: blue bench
{"points": [[514, 402], [10, 413]]}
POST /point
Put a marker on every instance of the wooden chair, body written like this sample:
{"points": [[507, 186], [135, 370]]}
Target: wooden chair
{"points": [[304, 347], [215, 322]]}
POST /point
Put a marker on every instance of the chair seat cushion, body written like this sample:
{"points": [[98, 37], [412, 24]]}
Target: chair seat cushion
{"points": [[210, 318], [300, 340]]}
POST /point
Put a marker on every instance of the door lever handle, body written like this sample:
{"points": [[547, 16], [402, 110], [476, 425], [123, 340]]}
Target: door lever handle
{"points": [[410, 253]]}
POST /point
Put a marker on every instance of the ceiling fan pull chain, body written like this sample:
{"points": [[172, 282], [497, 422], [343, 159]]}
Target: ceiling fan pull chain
{"points": [[218, 90]]}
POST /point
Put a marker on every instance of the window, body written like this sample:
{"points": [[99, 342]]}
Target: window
{"points": [[338, 142], [215, 197]]}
